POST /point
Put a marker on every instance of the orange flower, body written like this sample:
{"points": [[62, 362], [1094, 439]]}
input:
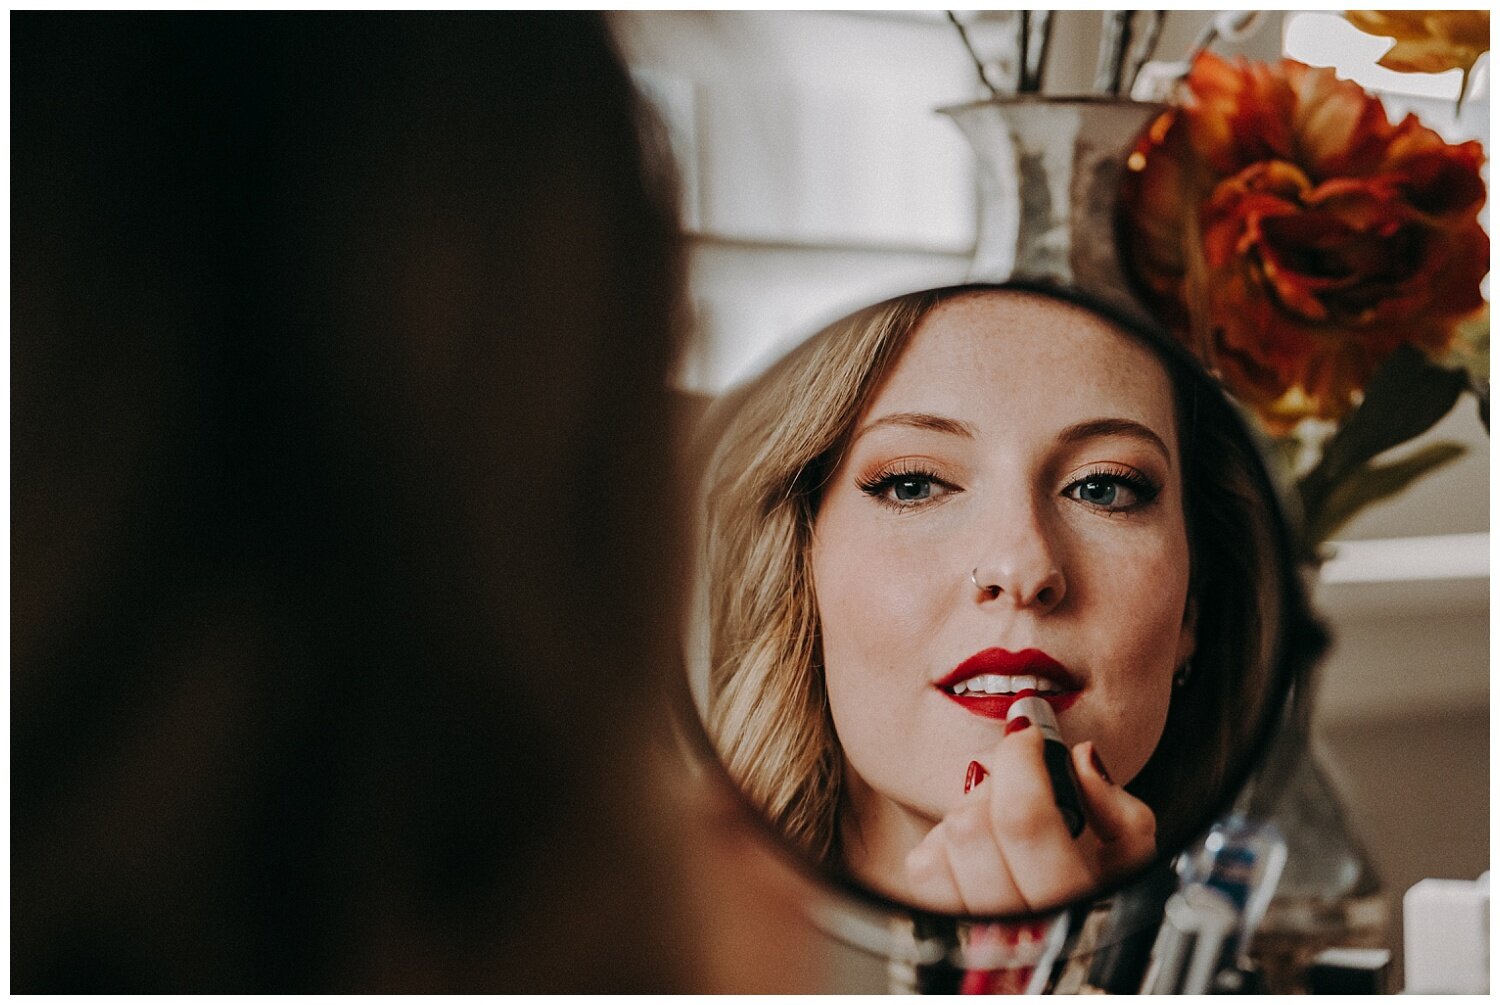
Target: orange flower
{"points": [[1295, 238], [1427, 41]]}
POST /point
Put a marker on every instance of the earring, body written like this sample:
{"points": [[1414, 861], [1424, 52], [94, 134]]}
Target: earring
{"points": [[1180, 678]]}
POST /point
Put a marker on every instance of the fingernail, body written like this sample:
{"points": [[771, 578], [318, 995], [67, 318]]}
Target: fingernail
{"points": [[1098, 764], [976, 775], [1017, 724]]}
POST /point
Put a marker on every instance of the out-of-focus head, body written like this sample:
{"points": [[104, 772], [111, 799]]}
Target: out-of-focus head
{"points": [[342, 572]]}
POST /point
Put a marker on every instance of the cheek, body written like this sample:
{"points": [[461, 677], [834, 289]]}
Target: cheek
{"points": [[1132, 589], [860, 600], [1138, 636], [1145, 627], [874, 590]]}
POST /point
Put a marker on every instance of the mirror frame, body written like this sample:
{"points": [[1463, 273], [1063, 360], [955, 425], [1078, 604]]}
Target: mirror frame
{"points": [[857, 914]]}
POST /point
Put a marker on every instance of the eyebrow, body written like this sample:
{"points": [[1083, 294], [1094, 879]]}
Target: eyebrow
{"points": [[1114, 427], [920, 420], [1075, 433]]}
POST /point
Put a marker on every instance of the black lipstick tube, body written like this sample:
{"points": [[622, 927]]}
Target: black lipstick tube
{"points": [[1056, 756]]}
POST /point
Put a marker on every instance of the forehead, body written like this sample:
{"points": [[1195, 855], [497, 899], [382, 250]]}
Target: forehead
{"points": [[1010, 353]]}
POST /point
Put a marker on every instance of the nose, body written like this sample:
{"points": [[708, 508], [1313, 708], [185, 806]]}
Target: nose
{"points": [[1021, 568]]}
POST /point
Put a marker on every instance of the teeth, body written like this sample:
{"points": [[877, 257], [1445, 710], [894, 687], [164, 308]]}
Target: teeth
{"points": [[994, 683]]}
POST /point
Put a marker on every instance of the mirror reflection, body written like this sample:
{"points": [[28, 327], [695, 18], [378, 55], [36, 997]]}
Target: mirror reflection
{"points": [[992, 578]]}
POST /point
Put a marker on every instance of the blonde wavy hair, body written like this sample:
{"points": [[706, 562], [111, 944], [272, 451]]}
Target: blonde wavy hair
{"points": [[780, 438]]}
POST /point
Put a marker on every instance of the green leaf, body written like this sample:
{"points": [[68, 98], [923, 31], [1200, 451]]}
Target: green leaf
{"points": [[1471, 345], [1287, 449], [1371, 484], [1405, 398]]}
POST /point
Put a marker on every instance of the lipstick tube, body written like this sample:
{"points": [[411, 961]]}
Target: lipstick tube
{"points": [[1057, 758]]}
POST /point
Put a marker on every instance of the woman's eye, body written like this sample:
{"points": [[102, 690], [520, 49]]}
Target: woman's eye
{"points": [[1099, 492], [1112, 492], [905, 489], [911, 489]]}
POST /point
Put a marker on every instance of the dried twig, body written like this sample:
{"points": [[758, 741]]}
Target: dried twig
{"points": [[1114, 42], [1023, 37], [1144, 47], [1038, 34], [963, 34]]}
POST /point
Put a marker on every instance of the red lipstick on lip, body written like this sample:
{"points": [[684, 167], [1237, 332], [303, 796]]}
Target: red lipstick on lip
{"points": [[1028, 662]]}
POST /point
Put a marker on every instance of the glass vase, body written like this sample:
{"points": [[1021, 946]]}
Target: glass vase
{"points": [[1049, 172]]}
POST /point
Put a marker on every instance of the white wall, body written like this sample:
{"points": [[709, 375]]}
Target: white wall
{"points": [[819, 177]]}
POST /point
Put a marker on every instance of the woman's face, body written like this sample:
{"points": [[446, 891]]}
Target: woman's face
{"points": [[1028, 445]]}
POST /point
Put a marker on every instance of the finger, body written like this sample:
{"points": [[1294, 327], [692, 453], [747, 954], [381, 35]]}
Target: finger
{"points": [[958, 867], [975, 861], [929, 877], [1048, 867], [1124, 826]]}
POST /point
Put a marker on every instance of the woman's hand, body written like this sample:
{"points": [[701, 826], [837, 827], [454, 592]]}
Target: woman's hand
{"points": [[1006, 850]]}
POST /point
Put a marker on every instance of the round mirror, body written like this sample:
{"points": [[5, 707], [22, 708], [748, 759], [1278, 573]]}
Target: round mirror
{"points": [[995, 602]]}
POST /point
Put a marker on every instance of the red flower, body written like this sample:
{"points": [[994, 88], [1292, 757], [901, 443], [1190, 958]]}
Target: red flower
{"points": [[1295, 238]]}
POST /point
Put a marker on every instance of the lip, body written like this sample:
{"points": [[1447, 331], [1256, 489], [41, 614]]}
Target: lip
{"points": [[1030, 662]]}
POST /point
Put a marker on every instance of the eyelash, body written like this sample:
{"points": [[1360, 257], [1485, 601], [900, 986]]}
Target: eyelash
{"points": [[879, 485], [1144, 488]]}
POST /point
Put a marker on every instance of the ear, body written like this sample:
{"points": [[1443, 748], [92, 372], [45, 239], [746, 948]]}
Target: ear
{"points": [[1187, 641]]}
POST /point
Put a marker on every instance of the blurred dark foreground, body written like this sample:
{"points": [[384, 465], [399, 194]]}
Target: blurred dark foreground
{"points": [[343, 521]]}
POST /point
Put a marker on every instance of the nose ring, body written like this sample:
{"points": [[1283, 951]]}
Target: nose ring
{"points": [[1053, 582]]}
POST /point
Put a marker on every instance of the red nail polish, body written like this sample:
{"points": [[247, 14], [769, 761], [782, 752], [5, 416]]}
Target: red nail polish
{"points": [[976, 775], [1017, 724], [1098, 764]]}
